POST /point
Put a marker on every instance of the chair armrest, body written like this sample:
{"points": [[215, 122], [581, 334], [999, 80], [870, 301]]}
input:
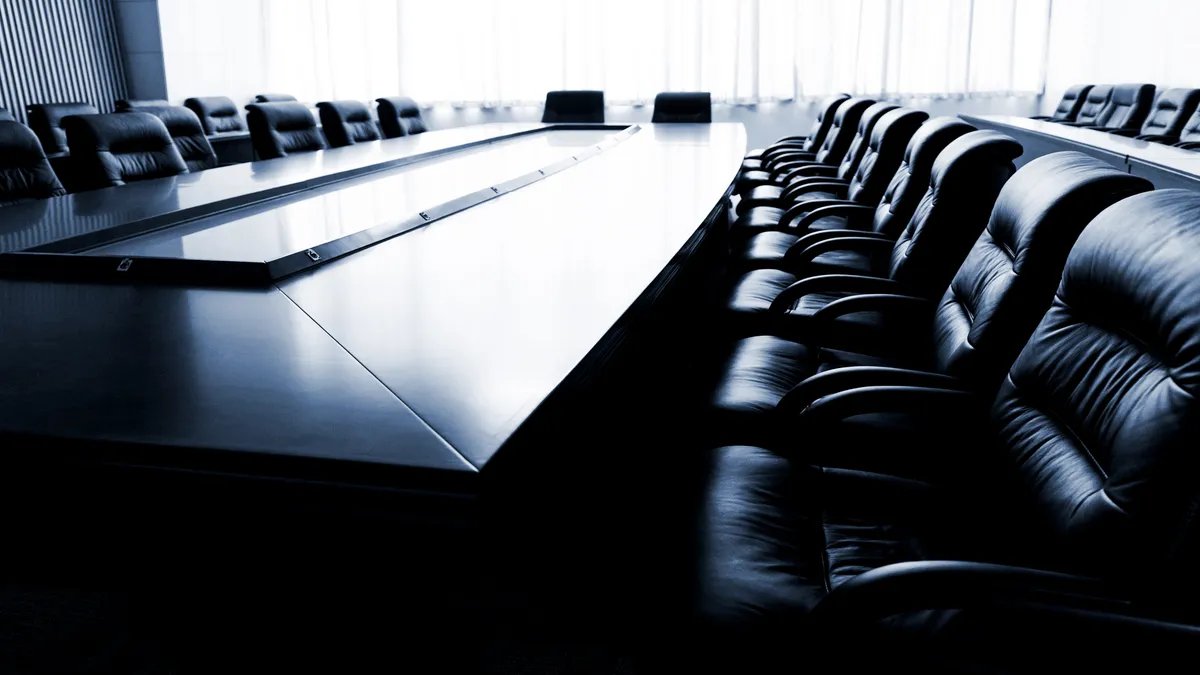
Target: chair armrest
{"points": [[821, 235], [786, 175], [853, 377], [772, 159], [848, 283], [1127, 133], [848, 209], [931, 584], [814, 184], [1158, 138], [795, 212], [907, 400], [796, 258], [823, 319], [1077, 124], [1043, 118], [788, 139], [1187, 145]]}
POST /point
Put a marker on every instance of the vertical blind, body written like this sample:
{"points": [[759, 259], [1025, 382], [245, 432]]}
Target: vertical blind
{"points": [[503, 52], [59, 51]]}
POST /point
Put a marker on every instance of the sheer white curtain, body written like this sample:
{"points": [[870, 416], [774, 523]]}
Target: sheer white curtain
{"points": [[505, 52]]}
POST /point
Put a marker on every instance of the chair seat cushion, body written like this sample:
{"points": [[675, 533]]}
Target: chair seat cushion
{"points": [[753, 221], [752, 179], [760, 194], [751, 165]]}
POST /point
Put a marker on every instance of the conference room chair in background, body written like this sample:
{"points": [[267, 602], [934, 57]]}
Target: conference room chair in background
{"points": [[121, 104], [1189, 135], [347, 122], [218, 114], [1093, 104], [25, 173], [273, 98], [187, 133], [6, 116], [1165, 122], [682, 107], [807, 143], [119, 148], [574, 107], [283, 128], [399, 116], [1069, 105], [46, 120], [1127, 107]]}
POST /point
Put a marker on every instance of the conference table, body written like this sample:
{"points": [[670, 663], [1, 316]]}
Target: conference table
{"points": [[385, 314], [1163, 165]]}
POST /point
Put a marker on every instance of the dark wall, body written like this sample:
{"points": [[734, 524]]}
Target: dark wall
{"points": [[57, 51]]}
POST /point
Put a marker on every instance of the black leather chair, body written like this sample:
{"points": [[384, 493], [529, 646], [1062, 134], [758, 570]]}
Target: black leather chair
{"points": [[1126, 108], [346, 123], [282, 129], [966, 178], [46, 121], [25, 173], [187, 133], [862, 178], [218, 114], [886, 220], [273, 98], [1069, 105], [119, 148], [6, 116], [1165, 122], [1189, 135], [842, 133], [122, 104], [1094, 103], [807, 143], [399, 116], [1069, 518], [968, 338], [682, 107], [574, 107]]}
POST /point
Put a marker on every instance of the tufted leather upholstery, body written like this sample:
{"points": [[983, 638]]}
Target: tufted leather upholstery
{"points": [[683, 107], [347, 123], [399, 116], [892, 213], [273, 98], [25, 172], [46, 121], [120, 148], [1171, 111], [218, 114], [188, 135], [281, 129], [122, 104], [577, 107], [1094, 103], [1127, 107], [1087, 466], [6, 116], [808, 143], [1069, 105]]}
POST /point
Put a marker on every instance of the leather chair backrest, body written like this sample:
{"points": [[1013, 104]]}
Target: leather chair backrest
{"points": [[1171, 111], [1094, 104], [1008, 279], [46, 121], [25, 173], [1191, 128], [273, 98], [1100, 414], [122, 104], [281, 129], [963, 186], [911, 179], [347, 122], [6, 116], [821, 125], [842, 131], [683, 107], [1127, 107], [218, 114], [862, 138], [578, 107], [399, 116], [120, 148], [1070, 103], [884, 153], [187, 133]]}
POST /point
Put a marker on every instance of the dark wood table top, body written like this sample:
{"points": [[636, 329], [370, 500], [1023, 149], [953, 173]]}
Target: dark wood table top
{"points": [[422, 353]]}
